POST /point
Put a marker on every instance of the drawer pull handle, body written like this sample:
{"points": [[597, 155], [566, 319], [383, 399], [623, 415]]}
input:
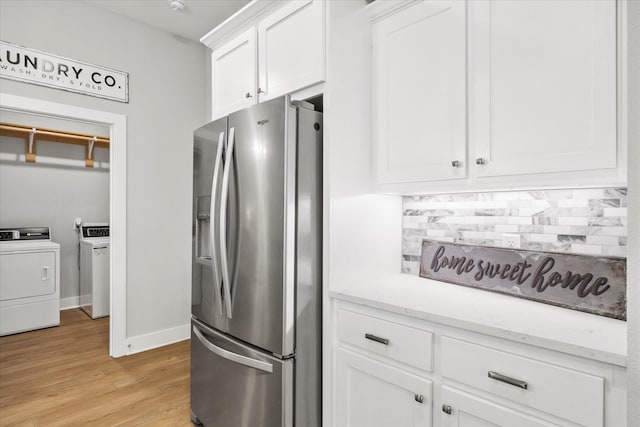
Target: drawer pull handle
{"points": [[446, 409], [511, 381], [419, 398], [372, 337]]}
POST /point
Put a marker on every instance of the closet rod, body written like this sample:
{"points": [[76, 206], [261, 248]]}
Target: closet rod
{"points": [[32, 134], [9, 129]]}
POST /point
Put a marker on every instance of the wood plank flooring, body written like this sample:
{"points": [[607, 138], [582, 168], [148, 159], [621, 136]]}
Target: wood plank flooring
{"points": [[63, 376]]}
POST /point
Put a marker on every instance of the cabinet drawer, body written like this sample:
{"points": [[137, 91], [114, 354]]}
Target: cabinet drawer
{"points": [[568, 394], [393, 340]]}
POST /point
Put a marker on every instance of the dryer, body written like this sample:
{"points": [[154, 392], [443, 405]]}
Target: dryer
{"points": [[94, 269], [29, 280]]}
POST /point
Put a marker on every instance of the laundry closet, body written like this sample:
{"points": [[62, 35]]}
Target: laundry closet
{"points": [[54, 220]]}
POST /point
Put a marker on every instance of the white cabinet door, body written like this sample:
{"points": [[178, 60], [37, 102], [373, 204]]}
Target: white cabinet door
{"points": [[420, 93], [291, 48], [468, 410], [544, 83], [368, 393], [233, 73]]}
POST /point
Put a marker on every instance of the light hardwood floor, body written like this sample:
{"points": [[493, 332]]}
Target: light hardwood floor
{"points": [[63, 376]]}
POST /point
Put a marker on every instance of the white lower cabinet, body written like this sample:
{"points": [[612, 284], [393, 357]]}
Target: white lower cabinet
{"points": [[392, 370], [462, 409], [370, 393]]}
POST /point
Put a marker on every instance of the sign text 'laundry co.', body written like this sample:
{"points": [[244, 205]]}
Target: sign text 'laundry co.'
{"points": [[32, 66]]}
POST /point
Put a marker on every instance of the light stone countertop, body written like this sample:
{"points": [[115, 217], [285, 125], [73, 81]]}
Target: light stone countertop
{"points": [[568, 331]]}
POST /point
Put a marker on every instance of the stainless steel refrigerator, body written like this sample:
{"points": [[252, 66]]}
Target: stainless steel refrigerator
{"points": [[256, 283]]}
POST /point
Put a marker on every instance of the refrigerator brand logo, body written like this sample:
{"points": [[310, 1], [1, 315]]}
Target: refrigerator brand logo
{"points": [[44, 69], [580, 282], [263, 122]]}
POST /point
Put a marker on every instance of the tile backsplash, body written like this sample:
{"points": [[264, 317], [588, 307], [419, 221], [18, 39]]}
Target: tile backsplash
{"points": [[584, 221]]}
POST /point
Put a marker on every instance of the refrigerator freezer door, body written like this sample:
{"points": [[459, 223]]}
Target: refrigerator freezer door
{"points": [[261, 215], [208, 153], [235, 385]]}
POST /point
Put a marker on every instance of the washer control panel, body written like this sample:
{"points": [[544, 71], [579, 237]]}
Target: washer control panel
{"points": [[89, 231]]}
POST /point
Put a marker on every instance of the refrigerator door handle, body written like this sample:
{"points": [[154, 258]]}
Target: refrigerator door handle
{"points": [[214, 195], [234, 357], [226, 285]]}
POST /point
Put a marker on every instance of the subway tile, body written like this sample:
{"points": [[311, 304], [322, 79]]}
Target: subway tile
{"points": [[519, 220], [506, 195], [563, 220], [584, 230], [615, 212], [556, 247], [603, 240], [573, 203], [556, 229], [541, 204], [588, 193], [535, 237], [605, 222], [530, 228], [604, 203], [571, 238], [619, 251], [507, 228], [586, 249], [530, 211], [614, 231], [591, 221]]}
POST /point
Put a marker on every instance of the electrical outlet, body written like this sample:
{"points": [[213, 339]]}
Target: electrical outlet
{"points": [[511, 241]]}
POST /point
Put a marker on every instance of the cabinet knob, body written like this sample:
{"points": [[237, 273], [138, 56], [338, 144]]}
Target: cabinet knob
{"points": [[456, 163], [446, 409], [481, 161], [419, 398], [260, 90], [248, 95]]}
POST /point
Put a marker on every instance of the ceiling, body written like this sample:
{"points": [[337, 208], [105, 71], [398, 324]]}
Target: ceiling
{"points": [[194, 21]]}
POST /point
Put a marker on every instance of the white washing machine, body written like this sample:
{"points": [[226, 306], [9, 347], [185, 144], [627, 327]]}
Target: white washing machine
{"points": [[94, 269], [29, 280]]}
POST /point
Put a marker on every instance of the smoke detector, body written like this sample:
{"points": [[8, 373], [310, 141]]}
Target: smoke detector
{"points": [[176, 5]]}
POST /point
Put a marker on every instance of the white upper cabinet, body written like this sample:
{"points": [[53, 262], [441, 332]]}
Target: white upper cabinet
{"points": [[420, 92], [497, 94], [233, 73], [545, 86], [291, 48], [266, 50]]}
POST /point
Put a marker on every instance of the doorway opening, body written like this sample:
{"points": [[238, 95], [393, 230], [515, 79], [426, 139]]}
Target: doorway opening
{"points": [[116, 125]]}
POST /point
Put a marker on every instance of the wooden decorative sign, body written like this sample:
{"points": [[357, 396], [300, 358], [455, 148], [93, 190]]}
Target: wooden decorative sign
{"points": [[580, 282], [46, 69]]}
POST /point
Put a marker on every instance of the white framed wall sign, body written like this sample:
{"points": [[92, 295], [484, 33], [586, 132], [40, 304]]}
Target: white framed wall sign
{"points": [[45, 69]]}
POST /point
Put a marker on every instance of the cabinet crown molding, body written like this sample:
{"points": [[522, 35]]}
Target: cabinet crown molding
{"points": [[380, 9], [242, 18]]}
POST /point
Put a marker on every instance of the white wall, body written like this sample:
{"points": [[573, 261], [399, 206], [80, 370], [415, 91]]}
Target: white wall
{"points": [[364, 229], [633, 257], [54, 190], [166, 102]]}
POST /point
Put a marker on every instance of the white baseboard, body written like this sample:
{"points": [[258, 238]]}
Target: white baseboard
{"points": [[69, 302], [157, 339]]}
